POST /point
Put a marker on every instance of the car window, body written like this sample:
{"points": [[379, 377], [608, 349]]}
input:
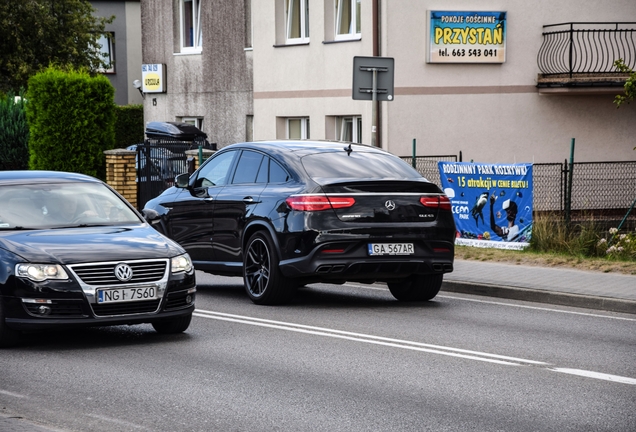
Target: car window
{"points": [[215, 172], [277, 173], [263, 171], [247, 167], [39, 206], [357, 165]]}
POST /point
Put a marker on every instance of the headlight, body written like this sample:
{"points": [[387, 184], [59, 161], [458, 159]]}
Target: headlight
{"points": [[181, 263], [40, 272]]}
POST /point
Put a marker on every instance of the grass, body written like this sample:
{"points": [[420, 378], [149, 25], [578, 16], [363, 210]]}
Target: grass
{"points": [[545, 259], [583, 246]]}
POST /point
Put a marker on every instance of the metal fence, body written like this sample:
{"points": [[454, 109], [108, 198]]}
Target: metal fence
{"points": [[586, 48], [603, 190], [159, 161]]}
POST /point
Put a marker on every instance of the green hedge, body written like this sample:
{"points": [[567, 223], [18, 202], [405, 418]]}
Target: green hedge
{"points": [[14, 133], [129, 125], [71, 119]]}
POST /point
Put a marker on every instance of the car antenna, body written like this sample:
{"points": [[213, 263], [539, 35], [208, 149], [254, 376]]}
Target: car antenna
{"points": [[348, 150]]}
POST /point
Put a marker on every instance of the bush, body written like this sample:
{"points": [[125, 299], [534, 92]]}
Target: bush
{"points": [[14, 133], [71, 119], [129, 125]]}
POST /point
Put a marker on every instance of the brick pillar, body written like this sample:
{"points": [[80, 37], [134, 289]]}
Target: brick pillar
{"points": [[121, 173], [205, 154]]}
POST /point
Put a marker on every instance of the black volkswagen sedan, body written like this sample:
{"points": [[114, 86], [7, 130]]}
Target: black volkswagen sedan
{"points": [[285, 214], [75, 254]]}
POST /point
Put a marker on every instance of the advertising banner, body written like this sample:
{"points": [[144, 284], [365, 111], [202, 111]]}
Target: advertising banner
{"points": [[466, 37], [491, 203]]}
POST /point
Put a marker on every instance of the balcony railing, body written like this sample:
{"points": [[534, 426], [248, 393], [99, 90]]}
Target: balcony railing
{"points": [[586, 49]]}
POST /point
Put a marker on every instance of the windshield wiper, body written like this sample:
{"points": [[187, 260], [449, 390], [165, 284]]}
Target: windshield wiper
{"points": [[18, 228]]}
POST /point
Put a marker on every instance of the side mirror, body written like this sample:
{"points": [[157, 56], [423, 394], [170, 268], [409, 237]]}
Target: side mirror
{"points": [[182, 180], [150, 214]]}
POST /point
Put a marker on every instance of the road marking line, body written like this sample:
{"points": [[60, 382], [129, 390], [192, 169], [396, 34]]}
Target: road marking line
{"points": [[505, 304], [361, 337], [404, 344], [596, 375], [8, 393]]}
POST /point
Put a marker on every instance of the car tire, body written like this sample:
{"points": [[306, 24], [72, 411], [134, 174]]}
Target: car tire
{"points": [[264, 282], [8, 336], [417, 287], [174, 325]]}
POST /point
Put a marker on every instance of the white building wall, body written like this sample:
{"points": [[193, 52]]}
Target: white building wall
{"points": [[490, 112]]}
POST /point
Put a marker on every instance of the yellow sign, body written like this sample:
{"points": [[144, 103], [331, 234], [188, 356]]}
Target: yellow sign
{"points": [[153, 78]]}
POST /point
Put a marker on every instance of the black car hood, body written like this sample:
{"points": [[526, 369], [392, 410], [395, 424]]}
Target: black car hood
{"points": [[90, 244]]}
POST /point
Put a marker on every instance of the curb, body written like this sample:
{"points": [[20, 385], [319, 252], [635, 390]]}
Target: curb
{"points": [[540, 296]]}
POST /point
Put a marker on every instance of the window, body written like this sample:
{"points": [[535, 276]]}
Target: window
{"points": [[297, 21], [276, 173], [191, 35], [248, 167], [349, 129], [347, 19], [298, 128], [215, 172], [194, 121], [105, 43]]}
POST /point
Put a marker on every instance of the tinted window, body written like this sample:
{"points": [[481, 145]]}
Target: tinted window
{"points": [[357, 165], [263, 172], [215, 172], [276, 173], [247, 168]]}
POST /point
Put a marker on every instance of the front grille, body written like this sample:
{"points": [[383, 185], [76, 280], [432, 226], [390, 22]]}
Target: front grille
{"points": [[126, 308], [104, 273]]}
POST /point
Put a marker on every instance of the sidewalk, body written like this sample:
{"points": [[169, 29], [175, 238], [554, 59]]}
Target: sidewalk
{"points": [[585, 289]]}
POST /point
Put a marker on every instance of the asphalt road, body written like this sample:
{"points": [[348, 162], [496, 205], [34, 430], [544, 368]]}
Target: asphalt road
{"points": [[339, 358]]}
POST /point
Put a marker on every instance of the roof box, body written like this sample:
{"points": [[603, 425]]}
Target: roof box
{"points": [[173, 130]]}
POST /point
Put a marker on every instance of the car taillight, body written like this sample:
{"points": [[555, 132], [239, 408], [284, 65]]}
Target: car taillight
{"points": [[318, 202], [441, 201]]}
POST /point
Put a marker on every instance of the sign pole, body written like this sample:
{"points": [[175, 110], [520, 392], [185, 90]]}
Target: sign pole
{"points": [[374, 109]]}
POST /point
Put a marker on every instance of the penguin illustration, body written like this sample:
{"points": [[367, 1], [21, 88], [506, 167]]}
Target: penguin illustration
{"points": [[480, 202]]}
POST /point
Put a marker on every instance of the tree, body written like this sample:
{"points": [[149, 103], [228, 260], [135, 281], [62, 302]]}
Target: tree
{"points": [[630, 84], [37, 33]]}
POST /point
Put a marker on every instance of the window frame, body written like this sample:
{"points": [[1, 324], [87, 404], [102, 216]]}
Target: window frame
{"points": [[303, 17], [195, 14], [356, 128], [304, 127], [194, 121], [109, 37], [355, 25]]}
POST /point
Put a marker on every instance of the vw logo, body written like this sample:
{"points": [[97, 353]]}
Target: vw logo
{"points": [[390, 205], [123, 272]]}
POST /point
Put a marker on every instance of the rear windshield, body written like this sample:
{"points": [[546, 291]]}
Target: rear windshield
{"points": [[322, 167]]}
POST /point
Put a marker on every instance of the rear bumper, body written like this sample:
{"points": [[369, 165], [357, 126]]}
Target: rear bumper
{"points": [[355, 264]]}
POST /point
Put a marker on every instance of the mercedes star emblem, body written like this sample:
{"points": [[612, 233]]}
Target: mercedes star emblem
{"points": [[390, 205]]}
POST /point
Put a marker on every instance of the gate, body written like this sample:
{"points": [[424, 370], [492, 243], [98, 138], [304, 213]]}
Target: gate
{"points": [[159, 161]]}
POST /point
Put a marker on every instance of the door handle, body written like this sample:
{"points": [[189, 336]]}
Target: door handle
{"points": [[208, 199], [248, 200]]}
